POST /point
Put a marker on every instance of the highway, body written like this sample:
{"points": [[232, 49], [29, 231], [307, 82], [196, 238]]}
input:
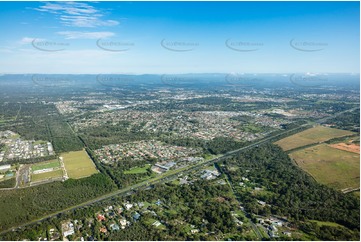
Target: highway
{"points": [[162, 178], [168, 175]]}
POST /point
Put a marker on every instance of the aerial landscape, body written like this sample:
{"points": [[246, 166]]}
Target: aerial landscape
{"points": [[177, 121]]}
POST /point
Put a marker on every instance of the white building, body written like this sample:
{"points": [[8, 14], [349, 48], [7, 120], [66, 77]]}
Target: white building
{"points": [[4, 168], [68, 229]]}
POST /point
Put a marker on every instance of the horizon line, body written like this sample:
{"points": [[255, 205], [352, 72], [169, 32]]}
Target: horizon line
{"points": [[184, 73]]}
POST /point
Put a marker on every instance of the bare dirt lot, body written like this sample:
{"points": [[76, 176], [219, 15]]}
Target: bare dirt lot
{"points": [[347, 147]]}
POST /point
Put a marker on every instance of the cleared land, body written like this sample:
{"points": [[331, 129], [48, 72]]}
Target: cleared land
{"points": [[78, 164], [45, 165], [311, 136], [347, 147], [323, 223], [137, 170], [46, 175], [337, 168]]}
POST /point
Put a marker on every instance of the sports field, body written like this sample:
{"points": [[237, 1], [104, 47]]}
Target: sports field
{"points": [[45, 165], [311, 136], [47, 175], [78, 164], [330, 166]]}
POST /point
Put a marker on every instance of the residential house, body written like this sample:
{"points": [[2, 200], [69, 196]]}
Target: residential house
{"points": [[136, 216], [100, 217], [103, 230], [67, 228], [114, 226]]}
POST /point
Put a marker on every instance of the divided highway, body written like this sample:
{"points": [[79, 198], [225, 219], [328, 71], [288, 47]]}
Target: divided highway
{"points": [[168, 175]]}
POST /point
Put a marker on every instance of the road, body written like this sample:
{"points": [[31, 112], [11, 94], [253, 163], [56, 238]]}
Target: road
{"points": [[319, 121], [22, 178], [254, 227], [18, 113], [162, 178], [167, 176]]}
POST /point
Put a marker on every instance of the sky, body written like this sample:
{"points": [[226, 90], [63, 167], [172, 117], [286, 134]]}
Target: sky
{"points": [[179, 37]]}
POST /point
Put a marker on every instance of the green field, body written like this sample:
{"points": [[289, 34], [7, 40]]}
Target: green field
{"points": [[356, 194], [322, 223], [45, 165], [7, 183], [137, 170], [337, 168], [150, 221], [46, 175], [78, 164], [311, 136]]}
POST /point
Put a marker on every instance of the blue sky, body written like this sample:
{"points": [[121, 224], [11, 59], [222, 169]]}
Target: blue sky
{"points": [[179, 37]]}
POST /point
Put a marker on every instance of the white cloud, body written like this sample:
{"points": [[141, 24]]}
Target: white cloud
{"points": [[85, 21], [77, 14], [68, 61], [85, 35], [26, 40], [76, 8]]}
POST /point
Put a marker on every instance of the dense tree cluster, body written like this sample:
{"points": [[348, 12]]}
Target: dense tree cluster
{"points": [[288, 190], [204, 205], [96, 137], [217, 145], [21, 205], [291, 191], [349, 121], [31, 160], [39, 121]]}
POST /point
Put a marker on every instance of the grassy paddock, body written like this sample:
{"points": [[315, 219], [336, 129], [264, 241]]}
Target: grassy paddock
{"points": [[137, 170], [78, 164], [322, 223], [45, 165], [337, 168], [311, 136], [46, 175]]}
